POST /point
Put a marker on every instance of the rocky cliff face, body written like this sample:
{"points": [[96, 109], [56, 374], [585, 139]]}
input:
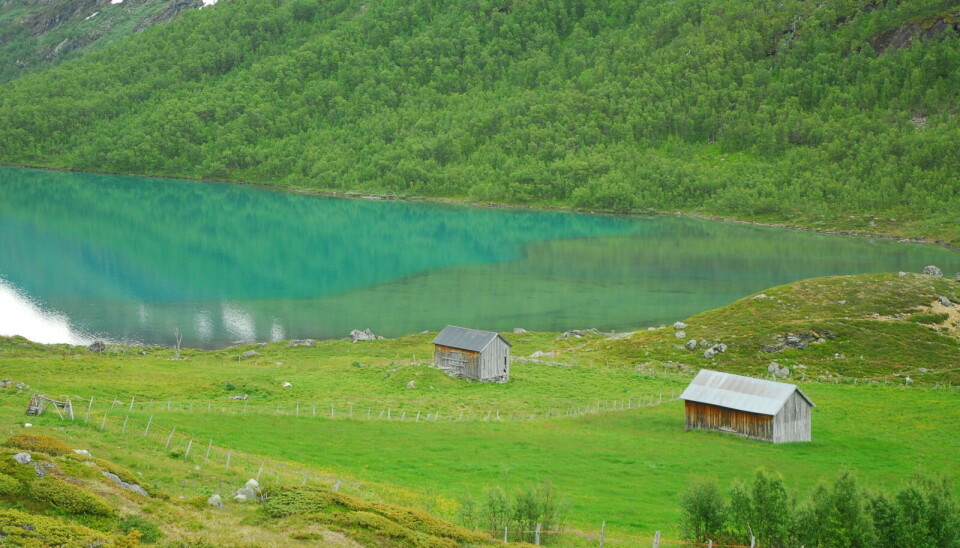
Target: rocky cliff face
{"points": [[37, 33]]}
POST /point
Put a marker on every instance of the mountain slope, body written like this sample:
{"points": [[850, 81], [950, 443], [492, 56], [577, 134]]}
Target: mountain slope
{"points": [[832, 115], [35, 34]]}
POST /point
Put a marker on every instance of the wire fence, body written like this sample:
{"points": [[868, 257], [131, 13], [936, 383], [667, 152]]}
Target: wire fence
{"points": [[211, 454], [358, 410]]}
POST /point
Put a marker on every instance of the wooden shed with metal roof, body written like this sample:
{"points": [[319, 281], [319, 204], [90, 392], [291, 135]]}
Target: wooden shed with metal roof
{"points": [[747, 406], [472, 354]]}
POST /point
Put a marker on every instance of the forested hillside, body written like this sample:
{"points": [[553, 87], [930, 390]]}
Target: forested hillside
{"points": [[35, 34], [831, 114]]}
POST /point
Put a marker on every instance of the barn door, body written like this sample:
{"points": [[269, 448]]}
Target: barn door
{"points": [[456, 362]]}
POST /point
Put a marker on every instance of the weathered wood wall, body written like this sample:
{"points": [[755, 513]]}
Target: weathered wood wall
{"points": [[701, 416], [792, 423], [492, 365]]}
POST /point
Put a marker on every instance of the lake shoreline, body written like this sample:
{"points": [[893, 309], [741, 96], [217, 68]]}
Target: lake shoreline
{"points": [[498, 205]]}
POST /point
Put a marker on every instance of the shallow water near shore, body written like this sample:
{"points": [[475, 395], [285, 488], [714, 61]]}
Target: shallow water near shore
{"points": [[86, 256]]}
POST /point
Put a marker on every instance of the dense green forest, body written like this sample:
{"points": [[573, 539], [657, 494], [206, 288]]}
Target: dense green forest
{"points": [[831, 114]]}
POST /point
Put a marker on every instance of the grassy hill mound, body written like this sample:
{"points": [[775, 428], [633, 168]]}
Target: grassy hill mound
{"points": [[756, 110], [59, 497]]}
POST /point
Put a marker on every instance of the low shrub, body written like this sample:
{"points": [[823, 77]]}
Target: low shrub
{"points": [[121, 472], [68, 497], [421, 521], [8, 484], [23, 529], [309, 500], [929, 319], [149, 532], [40, 442]]}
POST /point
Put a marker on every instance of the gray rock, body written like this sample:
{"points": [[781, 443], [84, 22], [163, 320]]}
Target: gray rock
{"points": [[83, 452], [301, 342], [519, 330], [249, 491], [680, 334], [704, 344], [23, 458], [720, 348], [239, 397], [691, 344], [541, 354], [249, 354], [760, 296], [215, 500], [923, 370], [902, 274], [411, 385], [932, 271], [128, 486], [97, 346], [365, 335], [709, 353], [679, 325], [286, 384], [944, 301]]}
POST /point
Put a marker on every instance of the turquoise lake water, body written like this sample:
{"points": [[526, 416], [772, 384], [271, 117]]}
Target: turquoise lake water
{"points": [[129, 259]]}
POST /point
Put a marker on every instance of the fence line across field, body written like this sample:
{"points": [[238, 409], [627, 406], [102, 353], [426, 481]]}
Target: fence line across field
{"points": [[269, 471], [369, 411]]}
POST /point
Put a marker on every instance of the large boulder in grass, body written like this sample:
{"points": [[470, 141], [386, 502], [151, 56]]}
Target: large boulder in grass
{"points": [[932, 271]]}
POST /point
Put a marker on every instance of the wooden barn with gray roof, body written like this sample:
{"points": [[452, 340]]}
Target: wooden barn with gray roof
{"points": [[472, 354], [750, 407]]}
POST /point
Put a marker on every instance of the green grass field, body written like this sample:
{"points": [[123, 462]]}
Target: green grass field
{"points": [[623, 466]]}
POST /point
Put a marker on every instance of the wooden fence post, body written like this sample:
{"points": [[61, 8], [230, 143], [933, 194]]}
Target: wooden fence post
{"points": [[260, 471], [103, 422], [229, 454], [536, 538], [88, 409], [656, 540], [189, 444], [170, 437], [209, 446], [147, 429], [603, 533], [505, 532], [132, 399], [124, 429]]}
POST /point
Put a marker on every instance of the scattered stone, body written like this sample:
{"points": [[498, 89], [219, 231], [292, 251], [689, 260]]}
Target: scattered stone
{"points": [[691, 344], [519, 330], [680, 334], [27, 425], [908, 380], [704, 344], [250, 491], [778, 371], [944, 301], [923, 370], [128, 486], [842, 302], [302, 342], [6, 383], [239, 397], [97, 346], [365, 335], [902, 274], [679, 325], [286, 384], [720, 347], [541, 354], [932, 271], [249, 354], [23, 458], [411, 385], [83, 452], [709, 353], [216, 501], [760, 296]]}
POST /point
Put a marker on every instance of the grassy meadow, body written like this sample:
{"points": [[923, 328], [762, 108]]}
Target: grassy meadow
{"points": [[588, 418]]}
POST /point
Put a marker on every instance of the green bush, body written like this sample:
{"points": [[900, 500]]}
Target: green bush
{"points": [[929, 319], [48, 531], [8, 484], [149, 532], [39, 442], [68, 497]]}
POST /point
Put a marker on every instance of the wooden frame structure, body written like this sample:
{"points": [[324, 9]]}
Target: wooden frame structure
{"points": [[40, 403]]}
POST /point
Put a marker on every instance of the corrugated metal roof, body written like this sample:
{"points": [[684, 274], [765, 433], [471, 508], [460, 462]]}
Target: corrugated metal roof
{"points": [[739, 392], [466, 339]]}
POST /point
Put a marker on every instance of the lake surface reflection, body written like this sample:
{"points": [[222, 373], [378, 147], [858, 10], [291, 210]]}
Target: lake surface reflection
{"points": [[134, 259]]}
